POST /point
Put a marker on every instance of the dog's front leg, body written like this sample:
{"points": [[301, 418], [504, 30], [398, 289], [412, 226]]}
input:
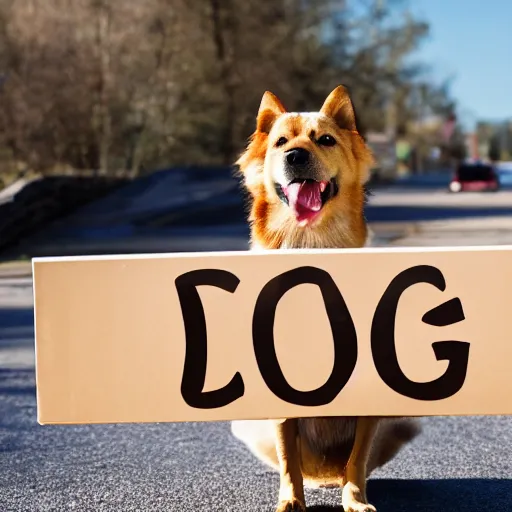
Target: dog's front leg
{"points": [[354, 482], [291, 488]]}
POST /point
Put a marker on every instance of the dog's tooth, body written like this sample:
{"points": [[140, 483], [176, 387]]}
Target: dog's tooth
{"points": [[323, 186]]}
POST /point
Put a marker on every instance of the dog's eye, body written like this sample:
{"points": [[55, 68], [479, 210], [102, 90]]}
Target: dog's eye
{"points": [[326, 140], [281, 141]]}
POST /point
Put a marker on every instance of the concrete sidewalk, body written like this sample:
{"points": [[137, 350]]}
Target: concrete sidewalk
{"points": [[456, 232]]}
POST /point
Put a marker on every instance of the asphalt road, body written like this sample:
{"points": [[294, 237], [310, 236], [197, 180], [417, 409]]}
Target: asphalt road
{"points": [[181, 210], [456, 465]]}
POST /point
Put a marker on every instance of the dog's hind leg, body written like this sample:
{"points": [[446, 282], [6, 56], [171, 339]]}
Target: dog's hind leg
{"points": [[354, 481], [393, 434], [260, 438]]}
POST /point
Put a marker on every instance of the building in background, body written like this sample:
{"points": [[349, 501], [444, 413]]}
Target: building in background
{"points": [[383, 146], [494, 140], [472, 149]]}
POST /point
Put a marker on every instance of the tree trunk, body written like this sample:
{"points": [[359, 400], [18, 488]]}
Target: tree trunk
{"points": [[103, 120], [224, 25]]}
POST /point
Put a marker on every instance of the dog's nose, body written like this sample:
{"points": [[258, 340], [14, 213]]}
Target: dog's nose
{"points": [[297, 156]]}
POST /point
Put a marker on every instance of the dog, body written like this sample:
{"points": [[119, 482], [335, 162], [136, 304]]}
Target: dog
{"points": [[306, 176]]}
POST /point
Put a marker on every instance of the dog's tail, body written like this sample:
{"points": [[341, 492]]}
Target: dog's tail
{"points": [[391, 437]]}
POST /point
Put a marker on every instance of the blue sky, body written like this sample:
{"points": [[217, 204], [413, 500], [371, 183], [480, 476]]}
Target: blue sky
{"points": [[471, 41]]}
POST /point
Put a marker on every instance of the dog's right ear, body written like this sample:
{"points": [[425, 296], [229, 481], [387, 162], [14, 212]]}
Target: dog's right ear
{"points": [[270, 109]]}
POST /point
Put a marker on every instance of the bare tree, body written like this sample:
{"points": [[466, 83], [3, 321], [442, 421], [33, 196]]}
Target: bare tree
{"points": [[115, 86]]}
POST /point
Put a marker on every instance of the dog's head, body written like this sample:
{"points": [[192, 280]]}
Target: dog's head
{"points": [[305, 171]]}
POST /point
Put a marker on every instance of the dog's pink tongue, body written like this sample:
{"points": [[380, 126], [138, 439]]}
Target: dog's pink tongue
{"points": [[306, 195]]}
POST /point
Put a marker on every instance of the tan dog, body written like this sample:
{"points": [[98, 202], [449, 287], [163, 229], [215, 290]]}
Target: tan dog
{"points": [[306, 174]]}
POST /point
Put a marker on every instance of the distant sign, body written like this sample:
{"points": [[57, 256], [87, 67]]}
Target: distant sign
{"points": [[220, 336], [448, 128], [403, 149]]}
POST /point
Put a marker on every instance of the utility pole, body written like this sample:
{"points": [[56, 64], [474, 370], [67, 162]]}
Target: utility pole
{"points": [[390, 105]]}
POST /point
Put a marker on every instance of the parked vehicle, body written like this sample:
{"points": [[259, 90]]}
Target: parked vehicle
{"points": [[475, 177]]}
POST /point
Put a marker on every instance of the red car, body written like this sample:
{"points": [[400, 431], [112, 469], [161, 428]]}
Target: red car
{"points": [[476, 177]]}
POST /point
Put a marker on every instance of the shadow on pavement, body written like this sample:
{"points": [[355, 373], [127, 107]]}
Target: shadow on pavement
{"points": [[408, 213], [16, 317], [455, 495], [16, 329]]}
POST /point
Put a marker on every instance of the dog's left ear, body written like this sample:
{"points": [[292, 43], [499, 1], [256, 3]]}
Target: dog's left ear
{"points": [[338, 105]]}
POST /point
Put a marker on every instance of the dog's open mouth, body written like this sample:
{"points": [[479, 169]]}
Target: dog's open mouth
{"points": [[307, 197]]}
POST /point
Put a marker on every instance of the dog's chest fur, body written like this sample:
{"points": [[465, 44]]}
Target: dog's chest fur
{"points": [[329, 438]]}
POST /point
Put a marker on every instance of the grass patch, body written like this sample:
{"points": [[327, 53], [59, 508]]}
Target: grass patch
{"points": [[20, 266]]}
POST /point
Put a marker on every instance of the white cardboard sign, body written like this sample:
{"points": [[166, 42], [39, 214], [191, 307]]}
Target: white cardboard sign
{"points": [[252, 335]]}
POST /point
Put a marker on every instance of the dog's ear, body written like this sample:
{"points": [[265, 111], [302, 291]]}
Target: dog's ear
{"points": [[270, 109], [338, 105]]}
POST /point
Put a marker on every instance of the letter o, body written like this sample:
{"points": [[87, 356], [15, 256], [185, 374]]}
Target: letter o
{"points": [[343, 332]]}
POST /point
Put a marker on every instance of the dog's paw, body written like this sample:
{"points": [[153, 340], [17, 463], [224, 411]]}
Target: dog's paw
{"points": [[291, 506], [360, 507]]}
